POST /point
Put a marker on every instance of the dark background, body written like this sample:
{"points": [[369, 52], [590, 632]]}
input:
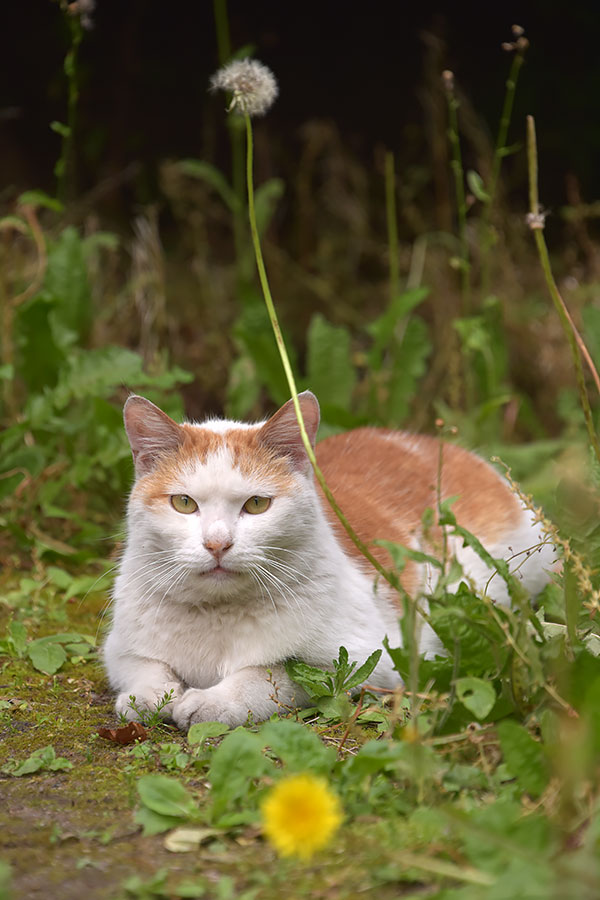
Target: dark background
{"points": [[145, 68]]}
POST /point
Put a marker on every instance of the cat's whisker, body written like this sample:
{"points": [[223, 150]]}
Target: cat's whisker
{"points": [[263, 588], [171, 587], [285, 591], [98, 579], [302, 579], [295, 574], [155, 571]]}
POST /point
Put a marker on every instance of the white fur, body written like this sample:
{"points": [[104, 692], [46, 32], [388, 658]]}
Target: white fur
{"points": [[290, 590]]}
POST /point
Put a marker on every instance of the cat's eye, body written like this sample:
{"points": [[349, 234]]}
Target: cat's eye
{"points": [[256, 505], [183, 504]]}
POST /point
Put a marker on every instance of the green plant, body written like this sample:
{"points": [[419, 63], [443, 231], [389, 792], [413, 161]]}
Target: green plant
{"points": [[44, 759], [330, 690], [150, 718]]}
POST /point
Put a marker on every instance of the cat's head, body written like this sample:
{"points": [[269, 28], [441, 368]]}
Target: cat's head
{"points": [[221, 502]]}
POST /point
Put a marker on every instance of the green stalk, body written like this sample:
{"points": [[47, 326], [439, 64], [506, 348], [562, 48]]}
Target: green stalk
{"points": [[461, 202], [65, 163], [536, 223], [507, 108], [392, 224], [222, 29], [264, 283]]}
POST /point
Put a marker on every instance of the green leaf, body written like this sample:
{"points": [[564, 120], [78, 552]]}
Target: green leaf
{"points": [[235, 762], [407, 365], [40, 198], [60, 764], [204, 171], [155, 823], [466, 620], [363, 672], [32, 764], [199, 733], [243, 387], [297, 746], [382, 330], [265, 201], [400, 555], [17, 638], [68, 286], [60, 128], [337, 707], [477, 695], [524, 758], [165, 796], [476, 186], [46, 657], [316, 682], [253, 330], [329, 370], [63, 637]]}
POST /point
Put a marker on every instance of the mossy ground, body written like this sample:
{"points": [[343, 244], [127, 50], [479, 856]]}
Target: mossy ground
{"points": [[72, 834]]}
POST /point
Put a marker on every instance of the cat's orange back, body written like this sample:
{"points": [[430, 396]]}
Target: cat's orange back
{"points": [[384, 480]]}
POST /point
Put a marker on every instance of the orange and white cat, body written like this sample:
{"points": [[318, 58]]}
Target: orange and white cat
{"points": [[234, 562]]}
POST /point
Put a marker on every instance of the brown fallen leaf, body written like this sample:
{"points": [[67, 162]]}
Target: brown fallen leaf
{"points": [[126, 734]]}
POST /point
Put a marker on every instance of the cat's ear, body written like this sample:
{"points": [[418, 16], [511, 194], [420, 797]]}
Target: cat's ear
{"points": [[282, 433], [151, 433]]}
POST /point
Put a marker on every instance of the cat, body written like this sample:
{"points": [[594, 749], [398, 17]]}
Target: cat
{"points": [[235, 563]]}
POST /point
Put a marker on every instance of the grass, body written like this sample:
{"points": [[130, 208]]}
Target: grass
{"points": [[478, 781]]}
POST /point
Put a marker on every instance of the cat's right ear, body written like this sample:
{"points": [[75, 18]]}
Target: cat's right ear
{"points": [[282, 434], [151, 433]]}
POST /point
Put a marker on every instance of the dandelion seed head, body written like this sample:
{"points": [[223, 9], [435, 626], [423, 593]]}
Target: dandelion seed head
{"points": [[252, 84], [300, 815]]}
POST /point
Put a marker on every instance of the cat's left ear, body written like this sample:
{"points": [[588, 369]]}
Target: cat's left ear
{"points": [[151, 432], [282, 433]]}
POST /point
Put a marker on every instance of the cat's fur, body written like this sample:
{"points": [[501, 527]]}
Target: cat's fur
{"points": [[205, 603]]}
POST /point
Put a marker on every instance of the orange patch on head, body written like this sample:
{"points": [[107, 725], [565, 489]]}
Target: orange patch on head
{"points": [[247, 454]]}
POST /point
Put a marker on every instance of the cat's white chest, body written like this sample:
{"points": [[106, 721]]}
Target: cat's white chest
{"points": [[203, 645]]}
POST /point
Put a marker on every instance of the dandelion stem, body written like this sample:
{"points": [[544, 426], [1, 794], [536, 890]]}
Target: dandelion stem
{"points": [[574, 339], [264, 283]]}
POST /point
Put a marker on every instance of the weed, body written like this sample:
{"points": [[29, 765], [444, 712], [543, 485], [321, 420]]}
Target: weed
{"points": [[150, 718]]}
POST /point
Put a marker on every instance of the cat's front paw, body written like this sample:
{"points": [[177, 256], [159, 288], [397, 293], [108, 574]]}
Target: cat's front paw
{"points": [[206, 706], [138, 703]]}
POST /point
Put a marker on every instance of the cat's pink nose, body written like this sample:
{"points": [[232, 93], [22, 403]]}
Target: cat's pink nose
{"points": [[217, 546]]}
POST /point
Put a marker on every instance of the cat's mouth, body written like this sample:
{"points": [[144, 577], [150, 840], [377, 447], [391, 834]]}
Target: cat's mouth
{"points": [[219, 572]]}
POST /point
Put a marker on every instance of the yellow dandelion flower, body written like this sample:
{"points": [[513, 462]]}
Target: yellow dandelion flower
{"points": [[300, 815]]}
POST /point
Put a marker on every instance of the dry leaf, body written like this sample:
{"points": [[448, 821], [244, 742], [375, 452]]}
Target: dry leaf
{"points": [[126, 734], [183, 840]]}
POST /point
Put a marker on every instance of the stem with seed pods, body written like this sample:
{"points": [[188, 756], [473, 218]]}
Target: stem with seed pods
{"points": [[264, 283], [499, 153], [535, 220], [459, 188]]}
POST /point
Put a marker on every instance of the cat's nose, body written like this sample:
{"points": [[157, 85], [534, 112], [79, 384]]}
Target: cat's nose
{"points": [[218, 545]]}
